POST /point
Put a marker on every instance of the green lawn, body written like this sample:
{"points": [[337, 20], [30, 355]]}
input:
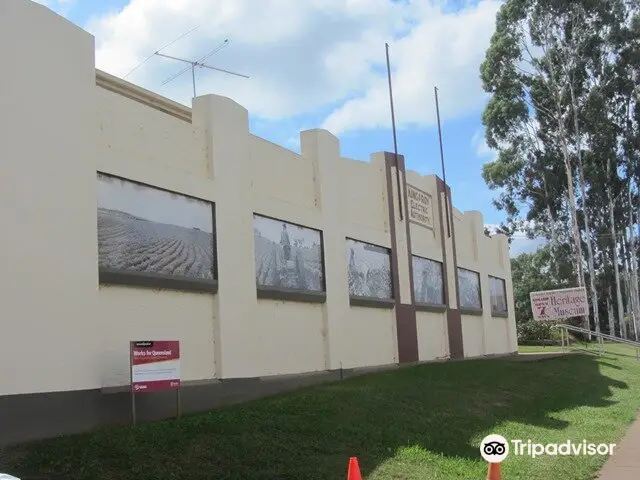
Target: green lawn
{"points": [[611, 348], [537, 348], [423, 422]]}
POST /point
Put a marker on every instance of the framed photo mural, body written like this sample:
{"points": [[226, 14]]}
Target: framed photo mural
{"points": [[498, 294], [428, 281], [369, 271], [152, 237], [469, 287], [287, 256]]}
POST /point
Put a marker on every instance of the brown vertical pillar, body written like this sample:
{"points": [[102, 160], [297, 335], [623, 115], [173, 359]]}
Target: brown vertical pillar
{"points": [[406, 327], [452, 298]]}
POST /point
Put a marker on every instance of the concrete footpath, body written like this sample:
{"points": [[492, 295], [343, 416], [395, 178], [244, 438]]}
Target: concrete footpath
{"points": [[540, 356], [624, 464]]}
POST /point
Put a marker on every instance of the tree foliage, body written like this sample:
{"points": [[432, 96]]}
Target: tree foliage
{"points": [[534, 272], [564, 117]]}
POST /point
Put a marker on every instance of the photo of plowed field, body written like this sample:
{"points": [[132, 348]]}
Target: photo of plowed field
{"points": [[369, 270], [142, 229], [287, 256], [126, 242]]}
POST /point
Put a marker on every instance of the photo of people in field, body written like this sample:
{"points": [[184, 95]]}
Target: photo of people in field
{"points": [[287, 256], [369, 270], [469, 287], [498, 294], [428, 285]]}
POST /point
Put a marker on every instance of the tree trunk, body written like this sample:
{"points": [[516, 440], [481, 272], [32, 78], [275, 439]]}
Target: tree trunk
{"points": [[634, 270], [590, 262], [619, 311], [577, 240], [636, 324], [614, 258], [557, 89], [562, 136], [554, 244], [574, 222], [585, 211], [627, 289], [612, 320]]}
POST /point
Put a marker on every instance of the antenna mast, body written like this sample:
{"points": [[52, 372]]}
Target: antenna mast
{"points": [[162, 48], [198, 63]]}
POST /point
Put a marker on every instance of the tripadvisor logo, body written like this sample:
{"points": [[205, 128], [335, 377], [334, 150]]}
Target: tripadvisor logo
{"points": [[495, 448]]}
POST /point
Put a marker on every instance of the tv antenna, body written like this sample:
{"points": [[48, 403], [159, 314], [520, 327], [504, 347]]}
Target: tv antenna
{"points": [[167, 45], [198, 63]]}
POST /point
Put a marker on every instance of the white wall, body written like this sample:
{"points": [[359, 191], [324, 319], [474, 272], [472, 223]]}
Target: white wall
{"points": [[62, 330], [126, 314], [47, 203], [132, 131]]}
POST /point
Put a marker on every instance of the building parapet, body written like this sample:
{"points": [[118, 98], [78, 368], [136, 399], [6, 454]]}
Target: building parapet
{"points": [[141, 95]]}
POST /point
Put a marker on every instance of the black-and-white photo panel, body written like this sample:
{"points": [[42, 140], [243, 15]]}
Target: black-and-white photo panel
{"points": [[428, 281], [287, 256], [469, 287], [147, 231], [369, 270], [498, 294]]}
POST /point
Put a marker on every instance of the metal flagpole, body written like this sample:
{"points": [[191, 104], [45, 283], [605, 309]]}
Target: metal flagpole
{"points": [[393, 126], [444, 174]]}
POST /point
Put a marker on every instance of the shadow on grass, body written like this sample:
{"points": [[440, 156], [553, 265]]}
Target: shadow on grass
{"points": [[611, 348], [609, 365], [621, 354], [311, 433]]}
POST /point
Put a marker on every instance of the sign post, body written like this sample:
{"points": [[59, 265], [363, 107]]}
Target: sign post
{"points": [[154, 367], [563, 303]]}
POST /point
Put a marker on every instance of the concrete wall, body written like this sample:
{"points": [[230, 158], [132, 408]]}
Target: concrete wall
{"points": [[66, 330], [50, 331]]}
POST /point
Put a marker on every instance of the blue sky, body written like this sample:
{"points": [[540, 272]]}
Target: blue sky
{"points": [[321, 63]]}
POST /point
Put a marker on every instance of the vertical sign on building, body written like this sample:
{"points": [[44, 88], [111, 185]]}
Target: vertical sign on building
{"points": [[420, 207], [154, 367]]}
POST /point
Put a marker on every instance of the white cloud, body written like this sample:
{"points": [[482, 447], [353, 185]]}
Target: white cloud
{"points": [[443, 49], [306, 55], [479, 145], [520, 242], [294, 142], [521, 245]]}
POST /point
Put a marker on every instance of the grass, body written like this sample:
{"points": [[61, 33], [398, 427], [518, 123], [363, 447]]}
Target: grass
{"points": [[539, 348], [423, 422], [610, 348]]}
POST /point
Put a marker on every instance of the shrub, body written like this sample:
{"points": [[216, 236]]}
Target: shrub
{"points": [[538, 333]]}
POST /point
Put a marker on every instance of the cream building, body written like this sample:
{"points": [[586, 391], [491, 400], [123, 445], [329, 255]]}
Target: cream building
{"points": [[127, 217]]}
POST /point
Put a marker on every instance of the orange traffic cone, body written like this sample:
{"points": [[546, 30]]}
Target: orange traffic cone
{"points": [[493, 473], [354, 470]]}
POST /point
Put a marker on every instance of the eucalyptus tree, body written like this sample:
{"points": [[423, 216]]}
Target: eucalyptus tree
{"points": [[531, 69], [563, 115]]}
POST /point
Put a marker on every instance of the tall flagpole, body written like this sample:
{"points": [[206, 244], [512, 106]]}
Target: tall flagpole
{"points": [[444, 174], [393, 126]]}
